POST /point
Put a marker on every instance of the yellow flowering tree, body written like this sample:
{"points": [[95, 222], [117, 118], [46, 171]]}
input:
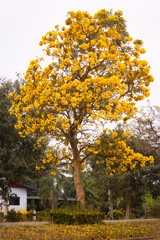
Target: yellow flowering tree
{"points": [[95, 73], [112, 149], [112, 154]]}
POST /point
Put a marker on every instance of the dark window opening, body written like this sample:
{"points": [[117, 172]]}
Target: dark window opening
{"points": [[14, 201]]}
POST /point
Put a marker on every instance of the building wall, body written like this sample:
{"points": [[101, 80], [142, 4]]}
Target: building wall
{"points": [[22, 194]]}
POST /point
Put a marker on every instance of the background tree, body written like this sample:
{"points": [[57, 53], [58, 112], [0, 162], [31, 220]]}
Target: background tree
{"points": [[129, 182], [106, 186], [48, 192], [96, 73], [132, 190], [90, 190], [52, 188], [17, 158], [146, 139]]}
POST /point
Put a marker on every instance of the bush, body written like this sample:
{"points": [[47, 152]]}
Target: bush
{"points": [[117, 214], [30, 215], [89, 217], [43, 215], [135, 213], [154, 209], [20, 216], [11, 216], [63, 216]]}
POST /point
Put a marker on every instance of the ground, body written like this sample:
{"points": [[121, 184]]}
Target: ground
{"points": [[133, 229]]}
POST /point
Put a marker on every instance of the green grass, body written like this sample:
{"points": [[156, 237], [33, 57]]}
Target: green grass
{"points": [[123, 230]]}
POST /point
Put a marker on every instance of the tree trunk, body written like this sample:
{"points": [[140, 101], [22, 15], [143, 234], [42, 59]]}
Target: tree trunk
{"points": [[128, 195], [5, 209], [77, 170], [127, 211], [54, 201], [145, 207], [5, 196], [111, 217], [78, 185]]}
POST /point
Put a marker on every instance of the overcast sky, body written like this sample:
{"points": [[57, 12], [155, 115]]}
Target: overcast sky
{"points": [[24, 22]]}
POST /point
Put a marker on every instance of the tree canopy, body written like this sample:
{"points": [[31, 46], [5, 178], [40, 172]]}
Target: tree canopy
{"points": [[145, 139], [17, 158], [96, 74]]}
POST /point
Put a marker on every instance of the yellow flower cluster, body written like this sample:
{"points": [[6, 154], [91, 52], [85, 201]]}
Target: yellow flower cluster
{"points": [[23, 212], [118, 156]]}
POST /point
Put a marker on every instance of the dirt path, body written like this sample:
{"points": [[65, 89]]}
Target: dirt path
{"points": [[8, 224], [5, 224], [130, 220]]}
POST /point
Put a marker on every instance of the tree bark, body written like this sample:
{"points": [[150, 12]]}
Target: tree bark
{"points": [[145, 208], [127, 211], [54, 200], [77, 170], [111, 217], [5, 209], [128, 196], [78, 185], [5, 196]]}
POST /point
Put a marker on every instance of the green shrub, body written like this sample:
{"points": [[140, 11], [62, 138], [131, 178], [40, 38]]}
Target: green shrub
{"points": [[154, 209], [43, 215], [11, 216], [21, 217], [135, 213], [63, 216], [30, 215], [117, 214]]}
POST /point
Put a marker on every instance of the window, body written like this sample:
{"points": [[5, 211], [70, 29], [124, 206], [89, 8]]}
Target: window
{"points": [[14, 201]]}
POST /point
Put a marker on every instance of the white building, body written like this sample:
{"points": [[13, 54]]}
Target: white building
{"points": [[19, 201]]}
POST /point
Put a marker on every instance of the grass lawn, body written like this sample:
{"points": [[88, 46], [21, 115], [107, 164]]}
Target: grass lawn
{"points": [[124, 230]]}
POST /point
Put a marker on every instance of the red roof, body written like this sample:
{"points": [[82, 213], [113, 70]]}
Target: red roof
{"points": [[22, 186]]}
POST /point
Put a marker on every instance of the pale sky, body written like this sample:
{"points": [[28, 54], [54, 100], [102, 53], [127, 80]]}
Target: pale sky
{"points": [[24, 22]]}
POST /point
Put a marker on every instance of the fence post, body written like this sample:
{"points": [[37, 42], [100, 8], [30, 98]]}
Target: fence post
{"points": [[34, 215]]}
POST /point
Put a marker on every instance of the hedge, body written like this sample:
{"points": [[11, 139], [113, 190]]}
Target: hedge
{"points": [[63, 216]]}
